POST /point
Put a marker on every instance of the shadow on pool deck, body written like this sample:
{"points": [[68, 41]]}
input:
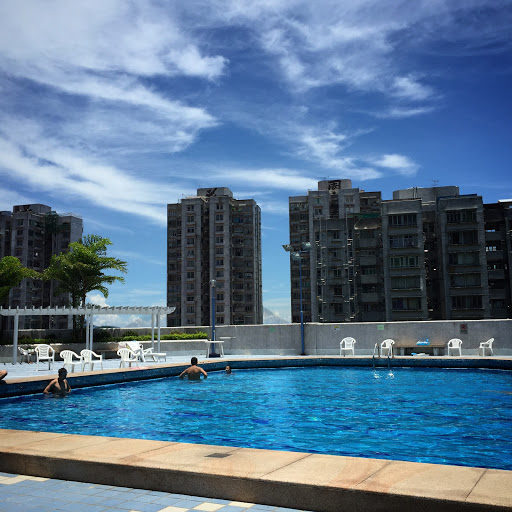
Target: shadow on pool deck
{"points": [[288, 479]]}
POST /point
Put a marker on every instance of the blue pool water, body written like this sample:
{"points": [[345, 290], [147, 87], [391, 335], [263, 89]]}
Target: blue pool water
{"points": [[461, 417]]}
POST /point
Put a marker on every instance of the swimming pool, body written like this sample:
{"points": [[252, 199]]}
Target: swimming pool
{"points": [[461, 417]]}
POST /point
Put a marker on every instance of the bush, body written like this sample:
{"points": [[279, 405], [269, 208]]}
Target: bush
{"points": [[201, 335]]}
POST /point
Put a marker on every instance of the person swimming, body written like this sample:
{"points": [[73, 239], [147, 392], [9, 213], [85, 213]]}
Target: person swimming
{"points": [[60, 385], [228, 370], [193, 372]]}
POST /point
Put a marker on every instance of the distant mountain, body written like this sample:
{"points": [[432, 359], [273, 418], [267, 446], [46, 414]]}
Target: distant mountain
{"points": [[272, 318]]}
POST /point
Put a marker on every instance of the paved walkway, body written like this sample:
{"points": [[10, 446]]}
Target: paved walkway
{"points": [[20, 493], [23, 370]]}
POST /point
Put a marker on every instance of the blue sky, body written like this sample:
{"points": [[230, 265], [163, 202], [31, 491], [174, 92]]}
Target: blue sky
{"points": [[112, 109]]}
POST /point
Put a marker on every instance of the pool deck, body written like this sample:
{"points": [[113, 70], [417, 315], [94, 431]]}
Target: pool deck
{"points": [[267, 477]]}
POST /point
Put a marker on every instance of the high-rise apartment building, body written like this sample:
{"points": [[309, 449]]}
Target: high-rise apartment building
{"points": [[214, 246], [33, 233], [427, 254]]}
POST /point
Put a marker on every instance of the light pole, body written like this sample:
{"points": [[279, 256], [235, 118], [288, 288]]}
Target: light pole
{"points": [[297, 256], [212, 287]]}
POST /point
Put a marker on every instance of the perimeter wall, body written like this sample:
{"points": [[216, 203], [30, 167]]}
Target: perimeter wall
{"points": [[324, 339]]}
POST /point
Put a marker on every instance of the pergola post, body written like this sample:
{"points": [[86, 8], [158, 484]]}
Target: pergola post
{"points": [[15, 339], [158, 330], [86, 332], [91, 331], [153, 331]]}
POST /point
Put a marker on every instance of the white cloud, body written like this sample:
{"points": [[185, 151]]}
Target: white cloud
{"points": [[8, 198], [399, 163], [43, 166]]}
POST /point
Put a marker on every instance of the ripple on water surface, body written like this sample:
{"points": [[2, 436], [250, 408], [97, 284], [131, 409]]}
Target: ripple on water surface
{"points": [[461, 417]]}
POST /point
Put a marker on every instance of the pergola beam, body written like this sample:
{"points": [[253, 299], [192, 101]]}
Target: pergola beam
{"points": [[88, 312]]}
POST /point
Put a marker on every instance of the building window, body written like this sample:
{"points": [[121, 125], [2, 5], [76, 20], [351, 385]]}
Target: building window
{"points": [[191, 229], [463, 237], [368, 271], [219, 250], [220, 296], [338, 272], [467, 302], [191, 286], [191, 218], [404, 261], [464, 280], [220, 320], [190, 275], [463, 258], [219, 216], [219, 273], [403, 241], [219, 308], [219, 228], [406, 304], [459, 216], [219, 240], [219, 262], [190, 207], [190, 241], [191, 309], [492, 248], [191, 263], [405, 282]]}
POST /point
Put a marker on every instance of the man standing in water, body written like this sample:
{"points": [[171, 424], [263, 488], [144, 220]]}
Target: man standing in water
{"points": [[193, 372]]}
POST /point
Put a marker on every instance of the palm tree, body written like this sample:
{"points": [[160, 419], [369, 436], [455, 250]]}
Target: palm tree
{"points": [[82, 269]]}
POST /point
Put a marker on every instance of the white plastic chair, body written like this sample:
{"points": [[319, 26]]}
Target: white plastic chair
{"points": [[454, 344], [25, 354], [486, 345], [71, 359], [45, 353], [142, 353], [90, 358], [127, 356], [347, 344], [387, 345]]}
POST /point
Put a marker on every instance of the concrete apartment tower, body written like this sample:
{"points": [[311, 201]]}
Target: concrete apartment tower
{"points": [[33, 233], [214, 246], [427, 254]]}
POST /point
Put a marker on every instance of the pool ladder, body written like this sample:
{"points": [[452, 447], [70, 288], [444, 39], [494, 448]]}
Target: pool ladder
{"points": [[376, 350]]}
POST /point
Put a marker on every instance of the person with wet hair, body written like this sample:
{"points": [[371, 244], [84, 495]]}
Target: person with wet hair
{"points": [[3, 374], [60, 385], [193, 372]]}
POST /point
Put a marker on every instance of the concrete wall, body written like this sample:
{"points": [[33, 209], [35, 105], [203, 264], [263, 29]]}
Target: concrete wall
{"points": [[324, 339]]}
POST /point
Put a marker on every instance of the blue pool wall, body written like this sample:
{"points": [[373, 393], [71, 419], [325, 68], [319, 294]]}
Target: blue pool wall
{"points": [[27, 387]]}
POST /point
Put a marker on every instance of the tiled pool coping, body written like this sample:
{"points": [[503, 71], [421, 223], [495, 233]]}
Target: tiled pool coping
{"points": [[287, 479]]}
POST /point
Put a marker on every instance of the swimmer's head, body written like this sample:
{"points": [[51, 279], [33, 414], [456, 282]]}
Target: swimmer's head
{"points": [[193, 361], [228, 369], [63, 373]]}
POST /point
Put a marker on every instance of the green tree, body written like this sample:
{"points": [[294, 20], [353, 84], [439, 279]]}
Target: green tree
{"points": [[12, 272], [82, 269]]}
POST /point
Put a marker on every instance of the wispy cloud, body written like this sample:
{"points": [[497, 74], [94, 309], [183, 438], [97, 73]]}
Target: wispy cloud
{"points": [[399, 163], [44, 166], [132, 255]]}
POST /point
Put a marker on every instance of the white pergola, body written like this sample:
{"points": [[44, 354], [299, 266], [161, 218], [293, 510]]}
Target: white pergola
{"points": [[89, 312]]}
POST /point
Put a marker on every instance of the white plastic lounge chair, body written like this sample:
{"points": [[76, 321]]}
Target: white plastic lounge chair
{"points": [[454, 345], [45, 353], [90, 358], [127, 356], [387, 345], [71, 359], [347, 344], [142, 353], [25, 354], [486, 345]]}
